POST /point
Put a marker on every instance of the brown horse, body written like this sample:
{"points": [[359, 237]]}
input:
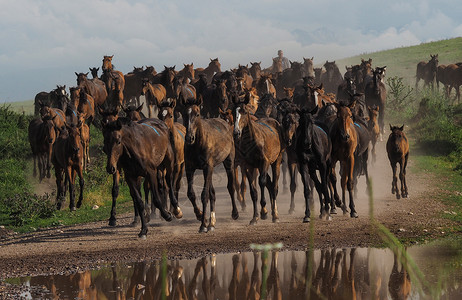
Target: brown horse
{"points": [[94, 87], [154, 93], [134, 113], [42, 135], [134, 83], [307, 67], [318, 73], [427, 71], [85, 139], [373, 126], [215, 98], [453, 75], [187, 72], [258, 146], [332, 78], [265, 86], [94, 72], [277, 65], [209, 142], [375, 93], [67, 160], [55, 114], [255, 70], [114, 80], [141, 149], [398, 152], [244, 73], [86, 107], [213, 67]]}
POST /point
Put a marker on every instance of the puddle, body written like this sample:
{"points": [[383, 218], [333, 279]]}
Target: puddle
{"points": [[434, 271]]}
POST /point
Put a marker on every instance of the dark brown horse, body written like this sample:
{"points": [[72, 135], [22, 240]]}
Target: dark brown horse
{"points": [[94, 87], [215, 98], [373, 125], [265, 86], [258, 146], [398, 153], [114, 81], [255, 70], [134, 83], [427, 71], [244, 73], [332, 78], [209, 142], [134, 113], [453, 76], [376, 94], [85, 139], [141, 149], [86, 107], [155, 93], [42, 135], [56, 115], [67, 160], [213, 67], [94, 72]]}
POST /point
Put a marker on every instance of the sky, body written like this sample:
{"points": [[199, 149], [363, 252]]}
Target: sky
{"points": [[44, 42]]}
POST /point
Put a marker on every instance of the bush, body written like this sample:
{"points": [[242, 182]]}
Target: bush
{"points": [[25, 208]]}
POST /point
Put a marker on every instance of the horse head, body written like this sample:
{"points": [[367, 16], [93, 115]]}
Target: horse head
{"points": [[345, 120], [215, 65], [134, 113], [94, 72], [193, 119], [107, 63], [289, 120], [306, 126], [108, 115], [113, 144], [74, 141]]}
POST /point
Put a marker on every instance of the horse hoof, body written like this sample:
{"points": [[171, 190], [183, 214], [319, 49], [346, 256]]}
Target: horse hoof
{"points": [[211, 228], [291, 211], [167, 216], [235, 215], [198, 215], [72, 208], [134, 223], [178, 213], [203, 229], [112, 223], [275, 220], [264, 214], [333, 211], [142, 236], [253, 222], [328, 218], [353, 215], [79, 203], [306, 220], [397, 196], [338, 203]]}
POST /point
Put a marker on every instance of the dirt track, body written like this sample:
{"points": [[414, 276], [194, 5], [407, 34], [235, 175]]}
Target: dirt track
{"points": [[68, 249]]}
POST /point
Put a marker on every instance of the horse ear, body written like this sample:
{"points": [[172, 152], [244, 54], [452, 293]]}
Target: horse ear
{"points": [[172, 103], [140, 108], [77, 74], [401, 128], [391, 127]]}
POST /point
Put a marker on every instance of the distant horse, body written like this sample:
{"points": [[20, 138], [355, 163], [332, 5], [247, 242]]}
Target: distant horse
{"points": [[94, 87], [376, 94], [141, 149], [259, 146], [56, 115], [86, 107], [345, 89], [453, 75], [167, 79], [244, 73], [85, 139], [398, 152], [373, 126], [215, 97], [42, 135], [154, 93], [134, 113], [255, 70], [313, 148], [67, 160], [94, 72], [59, 97], [332, 78], [427, 71], [318, 73], [187, 72], [267, 107], [277, 65], [213, 67], [114, 80], [307, 67], [209, 142], [265, 86], [134, 83], [366, 71]]}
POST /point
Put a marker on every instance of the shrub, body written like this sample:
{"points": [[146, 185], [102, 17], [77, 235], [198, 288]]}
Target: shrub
{"points": [[25, 208]]}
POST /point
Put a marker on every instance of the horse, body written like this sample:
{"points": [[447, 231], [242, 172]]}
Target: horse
{"points": [[267, 107], [134, 83], [453, 74], [258, 146], [345, 89], [350, 148], [56, 115], [141, 149], [177, 134], [265, 86], [373, 126], [332, 78], [427, 71], [209, 142], [307, 67], [255, 70], [184, 91], [154, 93], [213, 67], [59, 98], [313, 148], [85, 139], [114, 80], [187, 72], [318, 73], [134, 113], [67, 160], [42, 135], [215, 97], [398, 152], [375, 93], [94, 72], [244, 73], [86, 107], [277, 65], [94, 87]]}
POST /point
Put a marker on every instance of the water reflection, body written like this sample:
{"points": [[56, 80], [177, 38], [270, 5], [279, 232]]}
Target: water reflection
{"points": [[314, 274]]}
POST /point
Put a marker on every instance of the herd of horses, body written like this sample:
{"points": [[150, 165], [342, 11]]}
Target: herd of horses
{"points": [[247, 119]]}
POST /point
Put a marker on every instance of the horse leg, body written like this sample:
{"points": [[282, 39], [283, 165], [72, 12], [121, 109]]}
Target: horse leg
{"points": [[35, 165], [191, 194], [170, 175], [240, 196], [230, 169], [252, 178], [333, 185], [285, 167], [134, 184], [293, 186], [394, 183], [156, 197], [50, 152], [115, 194], [59, 185], [207, 171], [321, 188], [81, 184], [213, 218], [146, 189], [243, 187], [304, 174], [349, 168], [262, 181], [276, 168], [402, 176]]}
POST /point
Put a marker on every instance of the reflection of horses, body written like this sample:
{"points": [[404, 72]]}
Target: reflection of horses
{"points": [[67, 160], [258, 143], [42, 136], [399, 284], [209, 142], [332, 78], [398, 152], [313, 148], [141, 149], [376, 94], [427, 71], [114, 80], [213, 67]]}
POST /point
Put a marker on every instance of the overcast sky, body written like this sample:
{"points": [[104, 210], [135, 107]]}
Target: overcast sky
{"points": [[43, 42]]}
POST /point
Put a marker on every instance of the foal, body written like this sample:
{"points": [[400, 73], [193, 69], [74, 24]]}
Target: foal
{"points": [[398, 152]]}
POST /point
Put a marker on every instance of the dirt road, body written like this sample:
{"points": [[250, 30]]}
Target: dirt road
{"points": [[68, 249]]}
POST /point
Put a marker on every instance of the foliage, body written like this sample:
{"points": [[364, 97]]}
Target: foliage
{"points": [[25, 208], [400, 102]]}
